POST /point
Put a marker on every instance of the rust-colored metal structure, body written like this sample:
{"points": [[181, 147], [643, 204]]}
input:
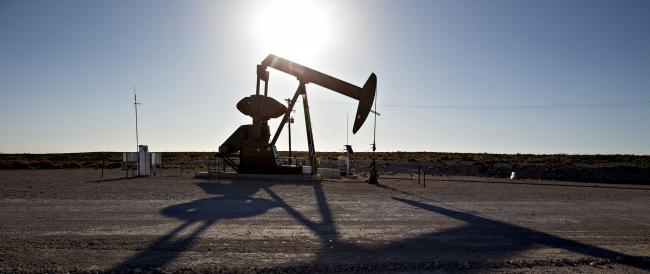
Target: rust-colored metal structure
{"points": [[251, 142]]}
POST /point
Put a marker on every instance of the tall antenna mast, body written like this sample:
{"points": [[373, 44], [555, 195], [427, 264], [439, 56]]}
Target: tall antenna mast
{"points": [[347, 141], [374, 177], [374, 132], [135, 106], [347, 126]]}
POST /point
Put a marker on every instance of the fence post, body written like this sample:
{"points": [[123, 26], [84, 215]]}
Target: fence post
{"points": [[102, 168], [182, 168], [424, 178], [419, 171]]}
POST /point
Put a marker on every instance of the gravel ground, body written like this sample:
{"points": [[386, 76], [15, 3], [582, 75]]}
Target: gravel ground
{"points": [[74, 221]]}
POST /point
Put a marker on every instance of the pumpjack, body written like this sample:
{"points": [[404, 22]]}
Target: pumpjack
{"points": [[250, 142]]}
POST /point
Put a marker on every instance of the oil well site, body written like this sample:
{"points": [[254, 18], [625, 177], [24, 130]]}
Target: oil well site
{"points": [[314, 136], [247, 208]]}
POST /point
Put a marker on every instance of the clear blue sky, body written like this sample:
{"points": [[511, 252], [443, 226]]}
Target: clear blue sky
{"points": [[67, 69]]}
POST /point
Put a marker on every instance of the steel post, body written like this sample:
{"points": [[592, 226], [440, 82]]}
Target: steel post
{"points": [[310, 135]]}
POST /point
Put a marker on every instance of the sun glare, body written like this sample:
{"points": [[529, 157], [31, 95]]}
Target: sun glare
{"points": [[292, 29]]}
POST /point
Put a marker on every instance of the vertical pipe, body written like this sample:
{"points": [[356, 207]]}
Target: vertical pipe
{"points": [[289, 127], [137, 162], [290, 152]]}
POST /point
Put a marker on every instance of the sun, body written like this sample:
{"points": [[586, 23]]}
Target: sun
{"points": [[292, 29]]}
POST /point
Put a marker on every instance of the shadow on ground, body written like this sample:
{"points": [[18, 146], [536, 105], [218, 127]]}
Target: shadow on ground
{"points": [[431, 180], [545, 184], [115, 179], [488, 242]]}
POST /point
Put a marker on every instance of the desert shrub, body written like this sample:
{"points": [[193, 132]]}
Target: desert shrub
{"points": [[14, 165], [113, 165], [70, 165], [42, 165]]}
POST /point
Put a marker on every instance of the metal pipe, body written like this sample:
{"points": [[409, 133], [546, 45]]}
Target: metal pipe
{"points": [[289, 128], [424, 178]]}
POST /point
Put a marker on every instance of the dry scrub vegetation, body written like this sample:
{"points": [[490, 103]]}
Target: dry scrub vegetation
{"points": [[589, 168]]}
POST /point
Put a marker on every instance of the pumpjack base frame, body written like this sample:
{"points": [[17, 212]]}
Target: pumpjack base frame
{"points": [[265, 177], [256, 168]]}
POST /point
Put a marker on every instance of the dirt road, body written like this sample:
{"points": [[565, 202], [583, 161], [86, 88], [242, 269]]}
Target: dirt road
{"points": [[71, 220]]}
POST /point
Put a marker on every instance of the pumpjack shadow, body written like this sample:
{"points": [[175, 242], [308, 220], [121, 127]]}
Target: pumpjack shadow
{"points": [[494, 239]]}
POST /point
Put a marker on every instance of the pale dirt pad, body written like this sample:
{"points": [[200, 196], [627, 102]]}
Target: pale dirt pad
{"points": [[73, 220]]}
